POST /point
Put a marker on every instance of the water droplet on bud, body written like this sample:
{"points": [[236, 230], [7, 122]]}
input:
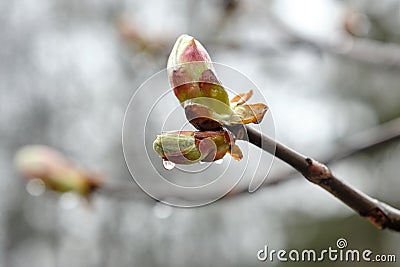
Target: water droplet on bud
{"points": [[168, 165], [219, 162]]}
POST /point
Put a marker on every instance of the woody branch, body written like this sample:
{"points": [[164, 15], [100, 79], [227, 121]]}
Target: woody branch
{"points": [[378, 213]]}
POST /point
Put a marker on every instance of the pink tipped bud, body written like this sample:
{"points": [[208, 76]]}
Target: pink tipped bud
{"points": [[191, 72], [193, 78], [188, 50]]}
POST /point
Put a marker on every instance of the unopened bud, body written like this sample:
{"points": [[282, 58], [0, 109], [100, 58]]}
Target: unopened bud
{"points": [[207, 107], [188, 147], [191, 72]]}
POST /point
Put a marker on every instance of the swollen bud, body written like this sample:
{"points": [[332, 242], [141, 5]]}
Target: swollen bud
{"points": [[188, 147], [192, 75], [207, 107], [177, 147]]}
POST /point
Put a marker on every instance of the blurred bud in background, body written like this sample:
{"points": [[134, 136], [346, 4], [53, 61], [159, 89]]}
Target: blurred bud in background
{"points": [[56, 172]]}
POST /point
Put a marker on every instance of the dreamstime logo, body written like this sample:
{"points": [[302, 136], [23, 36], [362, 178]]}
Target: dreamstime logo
{"points": [[340, 253], [153, 110], [341, 243]]}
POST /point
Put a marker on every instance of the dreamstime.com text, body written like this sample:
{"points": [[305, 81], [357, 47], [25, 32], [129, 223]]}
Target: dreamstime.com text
{"points": [[338, 253]]}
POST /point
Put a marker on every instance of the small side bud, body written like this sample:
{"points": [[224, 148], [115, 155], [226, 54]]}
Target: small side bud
{"points": [[188, 147], [177, 147]]}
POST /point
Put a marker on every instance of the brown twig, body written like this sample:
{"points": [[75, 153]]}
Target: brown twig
{"points": [[378, 213], [347, 147]]}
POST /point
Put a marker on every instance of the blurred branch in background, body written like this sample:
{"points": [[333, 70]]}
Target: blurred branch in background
{"points": [[131, 33], [360, 49], [56, 172], [363, 50], [136, 40]]}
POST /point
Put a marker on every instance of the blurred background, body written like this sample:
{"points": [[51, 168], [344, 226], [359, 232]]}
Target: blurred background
{"points": [[328, 68]]}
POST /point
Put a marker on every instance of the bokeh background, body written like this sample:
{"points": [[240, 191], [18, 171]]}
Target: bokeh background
{"points": [[69, 68]]}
